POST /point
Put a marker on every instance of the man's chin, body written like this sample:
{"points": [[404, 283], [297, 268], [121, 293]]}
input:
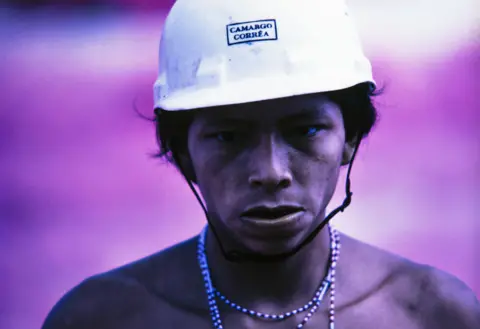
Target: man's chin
{"points": [[272, 245], [269, 237]]}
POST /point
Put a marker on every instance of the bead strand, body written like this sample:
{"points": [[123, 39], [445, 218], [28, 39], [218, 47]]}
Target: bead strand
{"points": [[312, 306], [335, 256]]}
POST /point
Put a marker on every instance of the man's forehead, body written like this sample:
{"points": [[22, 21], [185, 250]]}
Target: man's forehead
{"points": [[278, 109]]}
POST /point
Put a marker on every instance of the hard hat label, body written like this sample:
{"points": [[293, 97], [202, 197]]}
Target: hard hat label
{"points": [[248, 32]]}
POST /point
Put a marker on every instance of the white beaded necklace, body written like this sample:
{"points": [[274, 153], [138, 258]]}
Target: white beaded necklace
{"points": [[311, 306]]}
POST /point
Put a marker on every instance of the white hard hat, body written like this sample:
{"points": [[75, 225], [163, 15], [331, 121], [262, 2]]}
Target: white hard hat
{"points": [[223, 52]]}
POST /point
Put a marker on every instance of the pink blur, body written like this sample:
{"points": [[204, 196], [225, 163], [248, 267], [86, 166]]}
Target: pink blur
{"points": [[80, 194]]}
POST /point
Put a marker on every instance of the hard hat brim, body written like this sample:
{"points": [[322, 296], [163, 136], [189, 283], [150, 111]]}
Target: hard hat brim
{"points": [[255, 90]]}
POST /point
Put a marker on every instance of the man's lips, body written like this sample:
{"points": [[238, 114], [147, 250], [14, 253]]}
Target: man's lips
{"points": [[271, 213]]}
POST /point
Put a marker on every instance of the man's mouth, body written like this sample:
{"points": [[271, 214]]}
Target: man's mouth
{"points": [[271, 213]]}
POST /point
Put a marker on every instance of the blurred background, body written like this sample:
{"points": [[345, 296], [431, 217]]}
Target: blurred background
{"points": [[80, 194]]}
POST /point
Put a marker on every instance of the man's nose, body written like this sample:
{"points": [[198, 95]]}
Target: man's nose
{"points": [[270, 165]]}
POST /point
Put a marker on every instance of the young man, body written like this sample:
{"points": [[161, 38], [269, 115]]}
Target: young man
{"points": [[260, 103]]}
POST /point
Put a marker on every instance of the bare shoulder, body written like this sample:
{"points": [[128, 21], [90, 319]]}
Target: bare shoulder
{"points": [[137, 295], [427, 297], [101, 301], [448, 302]]}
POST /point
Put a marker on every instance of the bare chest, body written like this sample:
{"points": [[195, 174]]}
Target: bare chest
{"points": [[350, 317]]}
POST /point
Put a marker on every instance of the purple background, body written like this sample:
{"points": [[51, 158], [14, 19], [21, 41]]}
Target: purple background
{"points": [[79, 193]]}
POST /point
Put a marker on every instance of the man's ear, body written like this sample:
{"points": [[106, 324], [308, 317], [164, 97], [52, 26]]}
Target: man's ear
{"points": [[184, 163], [348, 150]]}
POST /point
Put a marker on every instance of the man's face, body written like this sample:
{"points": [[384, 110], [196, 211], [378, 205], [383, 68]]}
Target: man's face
{"points": [[267, 170]]}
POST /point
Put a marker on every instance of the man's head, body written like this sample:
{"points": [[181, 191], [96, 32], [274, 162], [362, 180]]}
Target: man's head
{"points": [[274, 153], [260, 103]]}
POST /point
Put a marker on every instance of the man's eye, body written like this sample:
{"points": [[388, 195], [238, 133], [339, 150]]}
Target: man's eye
{"points": [[308, 131], [223, 136], [311, 131]]}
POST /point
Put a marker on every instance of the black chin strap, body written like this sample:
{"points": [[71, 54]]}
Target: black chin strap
{"points": [[240, 256]]}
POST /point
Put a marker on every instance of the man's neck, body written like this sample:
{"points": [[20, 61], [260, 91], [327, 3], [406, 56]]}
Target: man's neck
{"points": [[288, 282]]}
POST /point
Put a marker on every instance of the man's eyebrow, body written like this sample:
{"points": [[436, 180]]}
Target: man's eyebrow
{"points": [[212, 121], [306, 114]]}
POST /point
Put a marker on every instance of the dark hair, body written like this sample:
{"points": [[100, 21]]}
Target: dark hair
{"points": [[356, 104]]}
